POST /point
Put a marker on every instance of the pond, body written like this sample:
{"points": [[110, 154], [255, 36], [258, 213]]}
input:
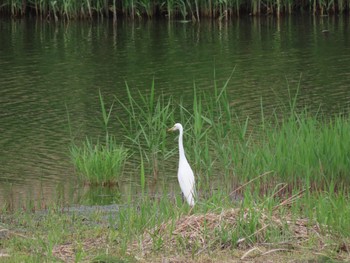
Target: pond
{"points": [[49, 69]]}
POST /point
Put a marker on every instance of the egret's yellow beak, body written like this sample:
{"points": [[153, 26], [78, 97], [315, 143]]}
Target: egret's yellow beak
{"points": [[170, 129]]}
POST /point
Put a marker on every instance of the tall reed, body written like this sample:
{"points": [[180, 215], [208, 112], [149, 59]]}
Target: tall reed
{"points": [[146, 124], [172, 9], [302, 148]]}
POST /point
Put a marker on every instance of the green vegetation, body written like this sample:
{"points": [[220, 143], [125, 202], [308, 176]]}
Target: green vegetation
{"points": [[302, 149], [172, 9], [146, 124], [100, 163], [154, 229]]}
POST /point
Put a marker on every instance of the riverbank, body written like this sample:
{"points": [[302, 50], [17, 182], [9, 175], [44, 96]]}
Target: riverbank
{"points": [[165, 230]]}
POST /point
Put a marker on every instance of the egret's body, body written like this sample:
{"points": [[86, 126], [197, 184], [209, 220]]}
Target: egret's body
{"points": [[185, 173]]}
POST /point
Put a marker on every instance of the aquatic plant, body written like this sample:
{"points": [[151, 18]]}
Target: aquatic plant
{"points": [[302, 148], [146, 124], [172, 9], [99, 163]]}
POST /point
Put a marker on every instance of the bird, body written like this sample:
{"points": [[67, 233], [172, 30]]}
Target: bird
{"points": [[185, 173]]}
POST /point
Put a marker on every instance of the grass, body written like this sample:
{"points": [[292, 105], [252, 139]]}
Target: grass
{"points": [[256, 228], [97, 163], [300, 147], [172, 9], [146, 124], [307, 149], [100, 163]]}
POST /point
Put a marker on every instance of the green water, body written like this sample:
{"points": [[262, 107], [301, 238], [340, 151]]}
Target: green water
{"points": [[47, 68]]}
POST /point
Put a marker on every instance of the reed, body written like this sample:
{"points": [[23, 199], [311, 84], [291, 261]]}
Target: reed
{"points": [[304, 147], [146, 124], [172, 9], [300, 147]]}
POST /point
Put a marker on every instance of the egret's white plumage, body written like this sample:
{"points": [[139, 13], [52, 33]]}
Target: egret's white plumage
{"points": [[185, 173]]}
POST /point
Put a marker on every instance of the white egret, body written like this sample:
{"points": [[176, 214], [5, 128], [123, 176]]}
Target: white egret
{"points": [[185, 173]]}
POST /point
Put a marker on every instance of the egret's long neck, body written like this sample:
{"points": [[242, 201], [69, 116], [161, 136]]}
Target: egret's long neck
{"points": [[181, 147]]}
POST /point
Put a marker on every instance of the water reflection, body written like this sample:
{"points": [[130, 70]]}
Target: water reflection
{"points": [[47, 68]]}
